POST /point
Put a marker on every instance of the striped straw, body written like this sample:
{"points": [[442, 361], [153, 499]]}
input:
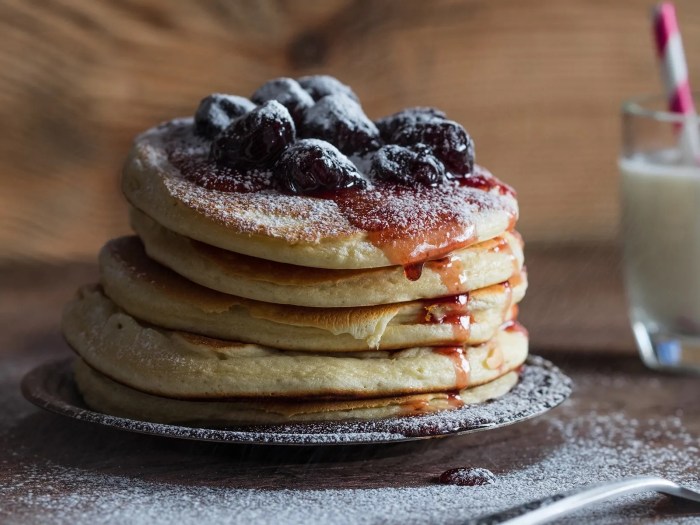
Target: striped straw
{"points": [[674, 73]]}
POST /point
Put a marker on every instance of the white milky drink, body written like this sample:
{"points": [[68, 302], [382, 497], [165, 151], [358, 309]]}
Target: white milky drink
{"points": [[661, 238]]}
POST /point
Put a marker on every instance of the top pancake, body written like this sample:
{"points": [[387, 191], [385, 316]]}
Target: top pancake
{"points": [[380, 226]]}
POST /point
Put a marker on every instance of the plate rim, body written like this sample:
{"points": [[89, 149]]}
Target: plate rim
{"points": [[33, 389]]}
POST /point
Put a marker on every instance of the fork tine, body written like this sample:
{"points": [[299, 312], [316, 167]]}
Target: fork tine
{"points": [[546, 509]]}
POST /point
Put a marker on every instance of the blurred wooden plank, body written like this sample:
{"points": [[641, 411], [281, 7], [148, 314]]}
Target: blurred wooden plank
{"points": [[575, 299], [537, 83]]}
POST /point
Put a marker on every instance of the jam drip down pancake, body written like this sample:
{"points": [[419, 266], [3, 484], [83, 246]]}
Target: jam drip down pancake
{"points": [[155, 294]]}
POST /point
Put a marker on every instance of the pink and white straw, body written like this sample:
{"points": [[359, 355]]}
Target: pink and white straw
{"points": [[674, 72], [674, 68]]}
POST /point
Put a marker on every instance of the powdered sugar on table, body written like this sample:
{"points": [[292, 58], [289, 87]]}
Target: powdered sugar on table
{"points": [[584, 441]]}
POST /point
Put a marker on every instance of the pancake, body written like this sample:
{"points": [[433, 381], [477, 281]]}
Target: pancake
{"points": [[153, 293], [297, 261], [187, 366], [478, 266], [110, 397], [382, 225]]}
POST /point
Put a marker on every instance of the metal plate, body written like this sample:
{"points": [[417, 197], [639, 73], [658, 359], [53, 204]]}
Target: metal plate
{"points": [[541, 387]]}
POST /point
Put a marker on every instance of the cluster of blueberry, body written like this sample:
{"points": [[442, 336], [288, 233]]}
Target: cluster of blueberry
{"points": [[304, 130]]}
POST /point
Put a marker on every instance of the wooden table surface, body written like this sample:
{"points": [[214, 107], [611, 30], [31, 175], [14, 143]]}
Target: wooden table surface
{"points": [[621, 420]]}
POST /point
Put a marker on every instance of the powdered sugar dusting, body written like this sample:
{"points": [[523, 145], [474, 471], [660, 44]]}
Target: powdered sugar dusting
{"points": [[217, 111], [287, 92], [412, 224], [252, 203], [256, 209], [585, 456], [212, 176], [267, 213], [579, 443], [334, 111], [318, 86]]}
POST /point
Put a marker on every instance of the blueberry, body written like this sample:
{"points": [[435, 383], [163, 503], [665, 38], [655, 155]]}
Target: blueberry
{"points": [[217, 111], [406, 118], [319, 86], [287, 92], [448, 140], [311, 166], [255, 139], [407, 165], [341, 121]]}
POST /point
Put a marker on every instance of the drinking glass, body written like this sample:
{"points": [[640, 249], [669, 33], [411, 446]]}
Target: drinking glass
{"points": [[660, 191]]}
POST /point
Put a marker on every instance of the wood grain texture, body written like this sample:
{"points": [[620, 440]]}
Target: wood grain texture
{"points": [[537, 83]]}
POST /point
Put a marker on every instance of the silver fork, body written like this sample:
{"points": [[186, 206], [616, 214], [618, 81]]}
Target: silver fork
{"points": [[546, 509]]}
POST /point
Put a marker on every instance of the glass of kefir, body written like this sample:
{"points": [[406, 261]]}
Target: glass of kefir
{"points": [[660, 229]]}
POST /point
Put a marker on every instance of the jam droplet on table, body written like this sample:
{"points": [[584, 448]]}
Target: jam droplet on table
{"points": [[470, 477]]}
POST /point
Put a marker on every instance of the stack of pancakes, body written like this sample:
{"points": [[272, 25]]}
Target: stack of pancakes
{"points": [[262, 307]]}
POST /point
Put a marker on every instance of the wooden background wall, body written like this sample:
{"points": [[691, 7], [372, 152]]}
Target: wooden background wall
{"points": [[538, 84]]}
